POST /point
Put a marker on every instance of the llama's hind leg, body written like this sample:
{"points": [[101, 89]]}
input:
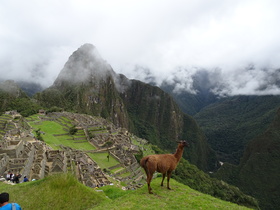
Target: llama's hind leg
{"points": [[149, 178], [150, 169], [163, 177]]}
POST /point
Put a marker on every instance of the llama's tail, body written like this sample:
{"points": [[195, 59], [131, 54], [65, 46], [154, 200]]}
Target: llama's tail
{"points": [[143, 163]]}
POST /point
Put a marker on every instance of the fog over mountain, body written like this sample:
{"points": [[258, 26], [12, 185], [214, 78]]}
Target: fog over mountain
{"points": [[236, 42]]}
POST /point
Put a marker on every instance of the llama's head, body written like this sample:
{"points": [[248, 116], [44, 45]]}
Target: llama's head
{"points": [[184, 143]]}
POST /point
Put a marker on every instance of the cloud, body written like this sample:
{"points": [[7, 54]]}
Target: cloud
{"points": [[161, 40]]}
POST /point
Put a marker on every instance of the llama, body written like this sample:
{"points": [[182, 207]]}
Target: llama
{"points": [[163, 163]]}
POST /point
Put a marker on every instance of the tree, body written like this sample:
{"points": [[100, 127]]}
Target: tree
{"points": [[38, 134]]}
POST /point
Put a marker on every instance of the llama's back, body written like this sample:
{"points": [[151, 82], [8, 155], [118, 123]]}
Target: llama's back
{"points": [[165, 162], [159, 162]]}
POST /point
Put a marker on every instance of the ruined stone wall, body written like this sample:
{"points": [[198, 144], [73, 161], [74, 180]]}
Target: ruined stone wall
{"points": [[10, 152], [17, 163], [28, 164], [19, 148], [4, 159]]}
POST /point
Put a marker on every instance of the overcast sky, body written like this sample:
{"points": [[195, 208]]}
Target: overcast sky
{"points": [[171, 38]]}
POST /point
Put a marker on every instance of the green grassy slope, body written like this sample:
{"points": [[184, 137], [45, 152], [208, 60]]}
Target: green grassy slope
{"points": [[63, 191], [180, 197]]}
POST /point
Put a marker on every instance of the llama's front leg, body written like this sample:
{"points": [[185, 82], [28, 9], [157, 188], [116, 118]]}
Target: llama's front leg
{"points": [[163, 177], [168, 178]]}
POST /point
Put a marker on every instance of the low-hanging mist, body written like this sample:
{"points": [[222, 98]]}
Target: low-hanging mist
{"points": [[237, 42]]}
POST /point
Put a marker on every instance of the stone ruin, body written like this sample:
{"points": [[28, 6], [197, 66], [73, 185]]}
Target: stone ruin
{"points": [[21, 153]]}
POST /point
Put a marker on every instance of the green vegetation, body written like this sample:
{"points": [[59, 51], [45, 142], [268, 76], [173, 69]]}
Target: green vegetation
{"points": [[102, 160], [63, 191], [34, 118], [180, 197], [73, 130], [54, 109], [232, 122], [38, 134], [14, 98], [259, 168], [24, 106], [55, 134]]}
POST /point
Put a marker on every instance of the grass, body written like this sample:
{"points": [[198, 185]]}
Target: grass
{"points": [[63, 191], [49, 127], [102, 160], [33, 117], [66, 121], [117, 169], [52, 127], [65, 140], [125, 174], [180, 197]]}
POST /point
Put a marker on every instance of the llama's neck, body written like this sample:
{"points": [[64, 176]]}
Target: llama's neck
{"points": [[179, 152]]}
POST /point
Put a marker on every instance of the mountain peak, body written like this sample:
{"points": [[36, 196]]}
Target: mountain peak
{"points": [[84, 65], [88, 50]]}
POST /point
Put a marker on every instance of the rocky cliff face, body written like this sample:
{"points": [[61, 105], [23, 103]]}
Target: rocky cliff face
{"points": [[87, 84]]}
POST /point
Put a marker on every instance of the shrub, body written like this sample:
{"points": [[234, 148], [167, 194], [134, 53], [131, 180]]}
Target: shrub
{"points": [[73, 130]]}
